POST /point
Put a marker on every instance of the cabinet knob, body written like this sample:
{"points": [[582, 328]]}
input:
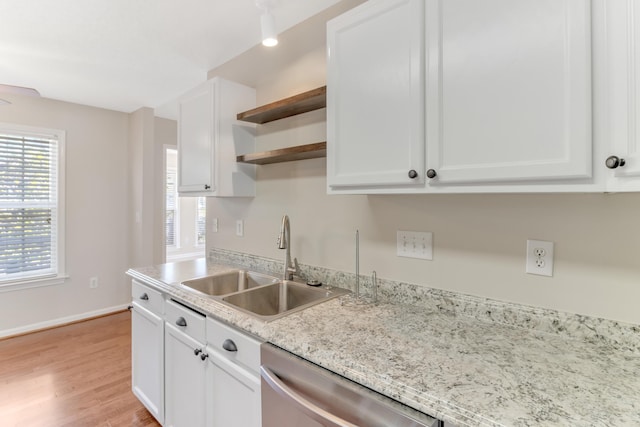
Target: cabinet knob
{"points": [[413, 174], [613, 162], [181, 321], [144, 297], [197, 351], [207, 186], [229, 345], [431, 173], [203, 356]]}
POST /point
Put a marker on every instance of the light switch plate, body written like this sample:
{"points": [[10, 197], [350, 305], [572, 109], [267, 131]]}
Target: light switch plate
{"points": [[239, 228], [213, 225], [415, 244]]}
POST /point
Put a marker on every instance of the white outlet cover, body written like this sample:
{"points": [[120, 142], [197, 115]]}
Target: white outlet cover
{"points": [[239, 228], [536, 264], [415, 244], [213, 225]]}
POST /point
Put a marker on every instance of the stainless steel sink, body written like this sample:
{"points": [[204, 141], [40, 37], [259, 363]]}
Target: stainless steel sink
{"points": [[279, 299], [229, 282]]}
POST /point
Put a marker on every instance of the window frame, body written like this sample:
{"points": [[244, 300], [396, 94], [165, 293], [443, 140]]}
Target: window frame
{"points": [[60, 275]]}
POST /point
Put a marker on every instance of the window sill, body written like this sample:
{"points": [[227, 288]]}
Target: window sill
{"points": [[28, 283]]}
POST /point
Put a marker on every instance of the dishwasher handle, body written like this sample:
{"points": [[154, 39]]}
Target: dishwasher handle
{"points": [[303, 404]]}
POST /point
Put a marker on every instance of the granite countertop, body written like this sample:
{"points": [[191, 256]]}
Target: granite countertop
{"points": [[454, 367]]}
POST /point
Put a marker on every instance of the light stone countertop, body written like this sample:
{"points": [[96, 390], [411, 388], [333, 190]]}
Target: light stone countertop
{"points": [[457, 368]]}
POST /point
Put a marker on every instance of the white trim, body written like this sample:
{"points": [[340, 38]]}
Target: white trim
{"points": [[32, 282], [61, 321], [171, 257]]}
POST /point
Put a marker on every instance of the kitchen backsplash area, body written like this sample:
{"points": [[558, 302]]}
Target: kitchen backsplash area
{"points": [[598, 331]]}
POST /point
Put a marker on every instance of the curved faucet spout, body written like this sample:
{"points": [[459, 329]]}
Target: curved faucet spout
{"points": [[284, 242]]}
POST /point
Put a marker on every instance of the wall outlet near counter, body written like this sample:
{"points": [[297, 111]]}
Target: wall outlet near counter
{"points": [[539, 258], [415, 244], [93, 282], [239, 228]]}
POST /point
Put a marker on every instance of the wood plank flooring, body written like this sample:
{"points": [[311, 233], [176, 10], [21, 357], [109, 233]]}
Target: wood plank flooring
{"points": [[75, 375]]}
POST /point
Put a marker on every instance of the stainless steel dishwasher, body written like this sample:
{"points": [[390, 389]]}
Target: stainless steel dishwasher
{"points": [[297, 393]]}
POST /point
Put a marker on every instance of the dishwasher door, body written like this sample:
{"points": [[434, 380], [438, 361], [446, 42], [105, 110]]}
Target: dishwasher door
{"points": [[297, 393]]}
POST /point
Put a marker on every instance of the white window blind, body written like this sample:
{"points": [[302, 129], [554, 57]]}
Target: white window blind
{"points": [[171, 208], [29, 211], [201, 219]]}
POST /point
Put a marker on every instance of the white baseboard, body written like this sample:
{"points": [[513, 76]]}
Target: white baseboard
{"points": [[61, 321]]}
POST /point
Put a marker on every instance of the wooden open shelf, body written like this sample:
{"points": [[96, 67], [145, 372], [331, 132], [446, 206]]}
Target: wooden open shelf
{"points": [[297, 104], [300, 152]]}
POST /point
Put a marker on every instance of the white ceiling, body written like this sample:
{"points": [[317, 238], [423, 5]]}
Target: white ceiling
{"points": [[127, 54]]}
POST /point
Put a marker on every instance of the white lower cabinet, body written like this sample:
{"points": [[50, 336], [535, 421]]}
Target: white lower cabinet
{"points": [[233, 379], [182, 381], [185, 367], [147, 349]]}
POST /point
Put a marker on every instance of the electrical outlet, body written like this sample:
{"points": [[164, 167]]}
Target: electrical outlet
{"points": [[93, 282], [539, 258], [415, 244], [213, 225], [239, 228]]}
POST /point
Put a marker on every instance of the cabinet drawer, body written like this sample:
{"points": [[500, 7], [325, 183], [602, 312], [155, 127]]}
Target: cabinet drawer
{"points": [[147, 297], [186, 320], [248, 348]]}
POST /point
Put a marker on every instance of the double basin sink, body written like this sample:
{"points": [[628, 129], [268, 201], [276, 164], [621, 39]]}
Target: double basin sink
{"points": [[260, 295]]}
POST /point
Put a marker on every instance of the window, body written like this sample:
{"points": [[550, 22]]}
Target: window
{"points": [[201, 218], [185, 217], [31, 205], [171, 207]]}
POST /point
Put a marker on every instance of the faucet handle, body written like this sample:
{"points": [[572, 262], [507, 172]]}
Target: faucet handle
{"points": [[296, 267]]}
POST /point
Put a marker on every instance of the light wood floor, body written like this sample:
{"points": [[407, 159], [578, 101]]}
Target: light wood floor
{"points": [[76, 375]]}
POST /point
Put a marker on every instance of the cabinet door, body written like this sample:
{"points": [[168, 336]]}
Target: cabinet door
{"points": [[195, 140], [184, 380], [623, 82], [509, 91], [233, 394], [147, 357], [375, 95]]}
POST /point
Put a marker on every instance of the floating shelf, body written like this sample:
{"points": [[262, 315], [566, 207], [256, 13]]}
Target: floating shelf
{"points": [[297, 104], [300, 152]]}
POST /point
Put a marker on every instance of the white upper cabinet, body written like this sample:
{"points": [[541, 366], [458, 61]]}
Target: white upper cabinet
{"points": [[472, 95], [509, 91], [210, 138], [623, 89], [375, 87]]}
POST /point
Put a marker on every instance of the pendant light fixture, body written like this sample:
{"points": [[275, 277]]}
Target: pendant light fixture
{"points": [[267, 23]]}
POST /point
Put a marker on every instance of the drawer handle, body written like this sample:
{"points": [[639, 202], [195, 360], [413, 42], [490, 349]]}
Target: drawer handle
{"points": [[181, 322], [197, 351], [203, 356], [229, 345], [144, 297]]}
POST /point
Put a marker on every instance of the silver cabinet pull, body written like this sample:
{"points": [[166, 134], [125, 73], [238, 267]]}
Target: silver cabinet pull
{"points": [[181, 322], [613, 162], [144, 297], [229, 345]]}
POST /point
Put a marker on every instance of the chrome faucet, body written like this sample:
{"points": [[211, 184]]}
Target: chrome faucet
{"points": [[284, 242]]}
